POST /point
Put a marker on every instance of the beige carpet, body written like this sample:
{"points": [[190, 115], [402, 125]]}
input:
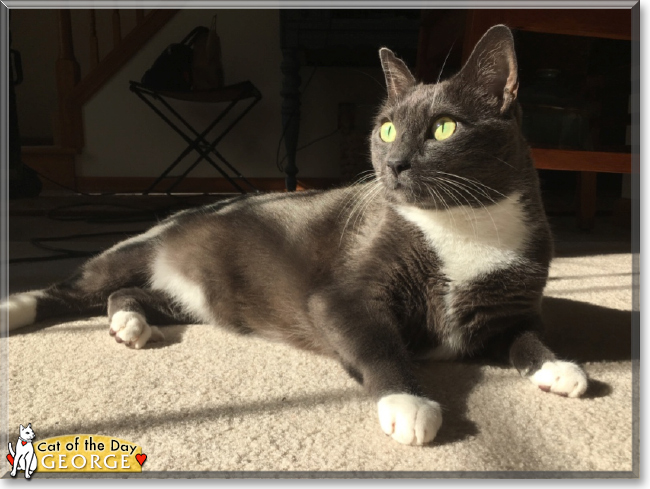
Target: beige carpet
{"points": [[206, 400]]}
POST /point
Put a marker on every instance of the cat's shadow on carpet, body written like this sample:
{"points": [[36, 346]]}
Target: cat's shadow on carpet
{"points": [[453, 396], [576, 331], [587, 333]]}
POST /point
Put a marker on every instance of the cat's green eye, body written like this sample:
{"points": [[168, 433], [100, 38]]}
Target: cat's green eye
{"points": [[443, 128], [387, 132]]}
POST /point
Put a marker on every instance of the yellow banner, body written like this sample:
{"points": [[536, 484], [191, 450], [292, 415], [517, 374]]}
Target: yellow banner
{"points": [[87, 453]]}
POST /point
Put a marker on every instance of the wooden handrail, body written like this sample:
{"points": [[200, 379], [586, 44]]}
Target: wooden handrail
{"points": [[117, 28], [73, 91], [586, 161], [122, 53]]}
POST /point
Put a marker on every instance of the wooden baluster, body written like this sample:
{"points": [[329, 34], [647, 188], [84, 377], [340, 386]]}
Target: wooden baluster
{"points": [[117, 28], [67, 77], [94, 44], [139, 16], [66, 50], [290, 111]]}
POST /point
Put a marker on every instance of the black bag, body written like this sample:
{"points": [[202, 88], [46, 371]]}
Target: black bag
{"points": [[172, 70], [207, 68]]}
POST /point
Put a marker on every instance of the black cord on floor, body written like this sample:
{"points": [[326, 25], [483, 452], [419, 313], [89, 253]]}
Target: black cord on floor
{"points": [[278, 163], [78, 192], [139, 214]]}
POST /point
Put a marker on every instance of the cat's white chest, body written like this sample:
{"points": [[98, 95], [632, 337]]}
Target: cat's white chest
{"points": [[473, 241]]}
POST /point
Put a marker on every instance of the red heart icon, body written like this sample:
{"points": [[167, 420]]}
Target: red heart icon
{"points": [[140, 457]]}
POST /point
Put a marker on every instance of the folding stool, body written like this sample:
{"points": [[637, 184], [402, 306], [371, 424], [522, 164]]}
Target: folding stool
{"points": [[232, 94]]}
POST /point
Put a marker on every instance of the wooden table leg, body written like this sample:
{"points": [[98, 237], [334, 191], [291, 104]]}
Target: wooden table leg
{"points": [[586, 199]]}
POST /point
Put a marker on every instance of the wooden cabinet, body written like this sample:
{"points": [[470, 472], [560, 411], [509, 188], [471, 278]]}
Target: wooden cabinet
{"points": [[597, 23]]}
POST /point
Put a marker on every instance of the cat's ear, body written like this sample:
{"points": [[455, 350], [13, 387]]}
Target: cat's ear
{"points": [[493, 66], [22, 428], [398, 76], [29, 425]]}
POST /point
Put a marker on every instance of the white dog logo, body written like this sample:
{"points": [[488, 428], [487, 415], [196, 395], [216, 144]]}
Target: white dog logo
{"points": [[24, 457]]}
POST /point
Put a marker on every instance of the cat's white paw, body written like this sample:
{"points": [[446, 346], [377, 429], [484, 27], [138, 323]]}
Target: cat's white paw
{"points": [[409, 419], [563, 378], [132, 329]]}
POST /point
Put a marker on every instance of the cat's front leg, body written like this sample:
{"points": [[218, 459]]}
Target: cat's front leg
{"points": [[366, 339], [29, 462], [534, 360]]}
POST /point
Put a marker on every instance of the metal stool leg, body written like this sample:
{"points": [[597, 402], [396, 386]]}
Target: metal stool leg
{"points": [[192, 144], [212, 149], [196, 144]]}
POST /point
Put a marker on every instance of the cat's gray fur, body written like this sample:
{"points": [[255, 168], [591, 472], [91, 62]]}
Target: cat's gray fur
{"points": [[374, 275]]}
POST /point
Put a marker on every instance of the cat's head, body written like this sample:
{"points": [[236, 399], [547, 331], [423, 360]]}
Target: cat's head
{"points": [[456, 142], [27, 433]]}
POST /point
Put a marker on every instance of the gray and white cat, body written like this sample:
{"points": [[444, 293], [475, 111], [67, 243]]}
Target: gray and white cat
{"points": [[445, 254]]}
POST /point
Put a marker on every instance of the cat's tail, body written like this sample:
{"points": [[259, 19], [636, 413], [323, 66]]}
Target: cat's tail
{"points": [[11, 450], [86, 292]]}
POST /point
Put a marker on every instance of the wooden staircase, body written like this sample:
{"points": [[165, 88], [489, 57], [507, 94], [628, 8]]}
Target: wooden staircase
{"points": [[57, 163]]}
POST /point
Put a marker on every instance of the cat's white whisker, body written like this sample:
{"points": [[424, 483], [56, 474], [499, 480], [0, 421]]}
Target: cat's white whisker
{"points": [[476, 183], [445, 185], [486, 210], [368, 201], [446, 206], [473, 188], [353, 199], [442, 68], [372, 187], [459, 205]]}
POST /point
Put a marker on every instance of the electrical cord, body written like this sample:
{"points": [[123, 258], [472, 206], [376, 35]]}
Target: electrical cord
{"points": [[66, 187], [140, 215], [58, 214], [314, 141], [278, 163]]}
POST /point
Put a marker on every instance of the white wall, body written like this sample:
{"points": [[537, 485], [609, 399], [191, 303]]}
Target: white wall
{"points": [[125, 138]]}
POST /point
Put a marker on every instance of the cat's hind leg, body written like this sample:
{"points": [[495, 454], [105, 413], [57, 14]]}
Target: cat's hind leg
{"points": [[131, 310], [535, 361], [66, 298], [86, 291]]}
